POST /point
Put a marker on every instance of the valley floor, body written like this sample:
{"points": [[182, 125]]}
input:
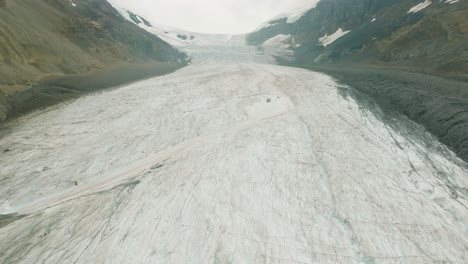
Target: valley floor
{"points": [[228, 161]]}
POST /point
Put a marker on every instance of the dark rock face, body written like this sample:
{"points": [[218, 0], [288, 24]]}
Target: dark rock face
{"points": [[327, 17], [434, 40]]}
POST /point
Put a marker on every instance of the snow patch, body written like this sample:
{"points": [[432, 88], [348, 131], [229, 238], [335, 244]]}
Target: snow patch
{"points": [[277, 41], [73, 4], [420, 6], [327, 40], [451, 1]]}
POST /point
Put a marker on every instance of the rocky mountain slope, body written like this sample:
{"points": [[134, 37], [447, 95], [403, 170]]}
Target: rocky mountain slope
{"points": [[43, 42], [426, 36], [376, 46]]}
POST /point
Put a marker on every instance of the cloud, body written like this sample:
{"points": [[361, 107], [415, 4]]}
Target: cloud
{"points": [[212, 16]]}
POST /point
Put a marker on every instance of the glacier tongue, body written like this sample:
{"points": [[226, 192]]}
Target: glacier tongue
{"points": [[227, 160]]}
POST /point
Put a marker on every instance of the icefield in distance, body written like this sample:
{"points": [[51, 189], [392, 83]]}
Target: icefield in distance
{"points": [[199, 167]]}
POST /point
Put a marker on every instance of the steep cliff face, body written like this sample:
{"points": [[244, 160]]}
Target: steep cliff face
{"points": [[405, 33], [44, 38]]}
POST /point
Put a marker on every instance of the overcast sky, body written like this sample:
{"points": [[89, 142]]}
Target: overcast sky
{"points": [[212, 16]]}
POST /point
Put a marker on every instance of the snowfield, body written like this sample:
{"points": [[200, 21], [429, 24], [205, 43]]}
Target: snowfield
{"points": [[420, 6], [327, 40], [229, 160], [277, 41]]}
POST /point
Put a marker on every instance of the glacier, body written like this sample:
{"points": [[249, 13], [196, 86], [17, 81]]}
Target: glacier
{"points": [[229, 160]]}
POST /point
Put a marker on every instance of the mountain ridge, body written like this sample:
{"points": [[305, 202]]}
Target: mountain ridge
{"points": [[45, 39], [409, 56], [430, 40]]}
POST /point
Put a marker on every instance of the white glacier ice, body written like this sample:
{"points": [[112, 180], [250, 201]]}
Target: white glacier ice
{"points": [[199, 167]]}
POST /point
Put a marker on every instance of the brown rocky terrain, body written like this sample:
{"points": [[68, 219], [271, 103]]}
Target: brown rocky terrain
{"points": [[43, 40]]}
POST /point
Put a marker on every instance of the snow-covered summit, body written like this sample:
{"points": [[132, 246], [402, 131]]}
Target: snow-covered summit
{"points": [[174, 36], [291, 16]]}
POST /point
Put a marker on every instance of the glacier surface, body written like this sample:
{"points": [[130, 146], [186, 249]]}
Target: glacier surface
{"points": [[229, 160]]}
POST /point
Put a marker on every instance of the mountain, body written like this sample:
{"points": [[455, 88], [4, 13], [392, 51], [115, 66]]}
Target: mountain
{"points": [[51, 50], [411, 56], [180, 38], [426, 36], [173, 36]]}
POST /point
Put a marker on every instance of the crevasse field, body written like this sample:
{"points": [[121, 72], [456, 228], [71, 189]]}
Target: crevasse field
{"points": [[198, 167]]}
